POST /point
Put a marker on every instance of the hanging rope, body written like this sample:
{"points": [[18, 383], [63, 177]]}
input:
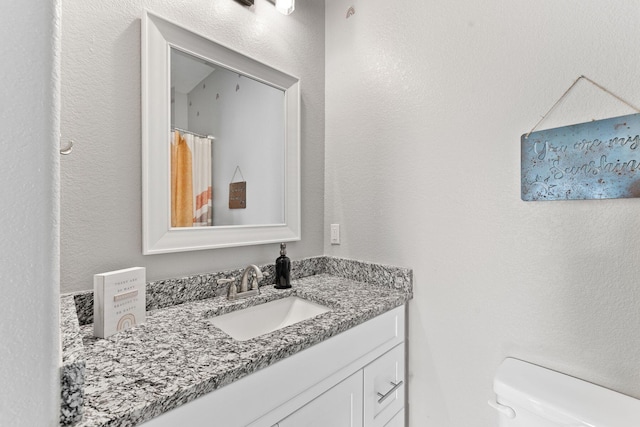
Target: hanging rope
{"points": [[566, 92], [235, 172]]}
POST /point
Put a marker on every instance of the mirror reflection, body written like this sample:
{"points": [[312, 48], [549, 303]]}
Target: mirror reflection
{"points": [[227, 146], [228, 174]]}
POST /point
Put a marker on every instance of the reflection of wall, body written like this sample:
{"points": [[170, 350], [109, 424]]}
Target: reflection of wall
{"points": [[101, 181], [180, 110], [423, 167], [240, 113], [202, 106]]}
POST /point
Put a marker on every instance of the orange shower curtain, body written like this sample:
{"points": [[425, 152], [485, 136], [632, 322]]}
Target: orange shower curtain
{"points": [[203, 209], [191, 196], [181, 183]]}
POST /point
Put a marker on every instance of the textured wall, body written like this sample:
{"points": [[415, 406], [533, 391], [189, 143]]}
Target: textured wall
{"points": [[425, 105], [29, 333], [101, 181]]}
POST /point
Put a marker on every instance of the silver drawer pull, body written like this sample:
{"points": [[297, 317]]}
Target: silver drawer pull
{"points": [[384, 397]]}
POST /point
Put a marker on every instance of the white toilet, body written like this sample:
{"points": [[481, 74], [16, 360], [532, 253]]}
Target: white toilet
{"points": [[531, 396]]}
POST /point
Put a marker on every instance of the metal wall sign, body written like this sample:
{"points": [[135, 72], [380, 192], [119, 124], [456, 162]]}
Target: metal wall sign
{"points": [[238, 195], [594, 160]]}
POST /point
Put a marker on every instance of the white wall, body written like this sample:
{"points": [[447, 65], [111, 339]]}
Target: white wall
{"points": [[101, 181], [425, 105], [179, 109], [29, 306]]}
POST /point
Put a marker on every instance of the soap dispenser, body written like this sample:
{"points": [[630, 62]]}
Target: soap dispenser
{"points": [[283, 269]]}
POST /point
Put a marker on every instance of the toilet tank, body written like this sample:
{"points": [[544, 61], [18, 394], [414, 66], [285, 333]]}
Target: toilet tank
{"points": [[532, 396]]}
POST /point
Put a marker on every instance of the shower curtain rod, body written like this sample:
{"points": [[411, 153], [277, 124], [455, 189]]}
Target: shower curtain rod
{"points": [[211, 137]]}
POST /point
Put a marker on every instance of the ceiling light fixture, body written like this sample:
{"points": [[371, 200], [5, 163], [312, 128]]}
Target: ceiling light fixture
{"points": [[285, 6]]}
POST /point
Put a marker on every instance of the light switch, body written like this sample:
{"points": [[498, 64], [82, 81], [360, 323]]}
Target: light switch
{"points": [[335, 234]]}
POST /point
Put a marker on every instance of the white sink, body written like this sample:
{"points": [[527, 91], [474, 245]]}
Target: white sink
{"points": [[261, 319]]}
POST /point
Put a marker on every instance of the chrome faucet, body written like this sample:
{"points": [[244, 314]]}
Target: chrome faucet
{"points": [[244, 285], [234, 293]]}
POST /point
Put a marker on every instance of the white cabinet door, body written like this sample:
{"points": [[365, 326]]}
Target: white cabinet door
{"points": [[340, 406], [384, 387], [397, 420]]}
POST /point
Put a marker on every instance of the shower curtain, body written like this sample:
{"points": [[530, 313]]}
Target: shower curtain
{"points": [[191, 201]]}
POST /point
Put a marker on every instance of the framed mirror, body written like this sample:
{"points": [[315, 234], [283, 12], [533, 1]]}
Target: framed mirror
{"points": [[220, 145]]}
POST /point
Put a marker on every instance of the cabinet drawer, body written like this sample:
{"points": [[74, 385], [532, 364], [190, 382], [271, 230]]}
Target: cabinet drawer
{"points": [[384, 387]]}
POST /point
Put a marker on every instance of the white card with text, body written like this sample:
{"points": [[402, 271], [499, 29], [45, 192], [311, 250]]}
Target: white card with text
{"points": [[119, 301]]}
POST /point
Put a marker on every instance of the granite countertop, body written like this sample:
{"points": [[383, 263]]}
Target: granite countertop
{"points": [[177, 356]]}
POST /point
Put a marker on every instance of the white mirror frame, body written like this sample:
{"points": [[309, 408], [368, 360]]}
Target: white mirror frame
{"points": [[158, 37]]}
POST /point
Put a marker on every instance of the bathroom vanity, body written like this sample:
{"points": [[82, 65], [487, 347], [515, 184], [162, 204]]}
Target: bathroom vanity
{"points": [[344, 366], [332, 383]]}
